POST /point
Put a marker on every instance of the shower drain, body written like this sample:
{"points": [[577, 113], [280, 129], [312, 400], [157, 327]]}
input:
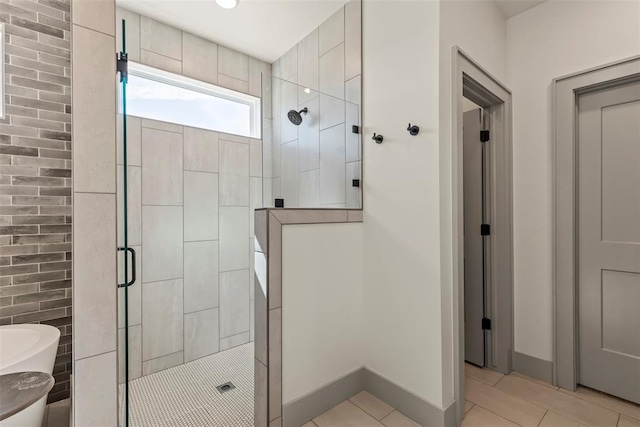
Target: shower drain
{"points": [[225, 387]]}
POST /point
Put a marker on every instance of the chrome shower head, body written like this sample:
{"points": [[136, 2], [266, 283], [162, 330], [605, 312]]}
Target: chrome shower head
{"points": [[295, 117]]}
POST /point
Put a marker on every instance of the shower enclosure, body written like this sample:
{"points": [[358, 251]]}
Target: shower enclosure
{"points": [[187, 192]]}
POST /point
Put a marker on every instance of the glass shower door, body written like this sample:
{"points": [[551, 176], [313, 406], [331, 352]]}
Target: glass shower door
{"points": [[126, 252]]}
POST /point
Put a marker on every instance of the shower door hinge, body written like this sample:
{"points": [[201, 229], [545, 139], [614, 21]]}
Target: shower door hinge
{"points": [[486, 324], [355, 129], [122, 65], [484, 135], [485, 229]]}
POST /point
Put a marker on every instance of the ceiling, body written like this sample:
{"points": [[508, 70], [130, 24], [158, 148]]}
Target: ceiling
{"points": [[264, 29], [511, 8]]}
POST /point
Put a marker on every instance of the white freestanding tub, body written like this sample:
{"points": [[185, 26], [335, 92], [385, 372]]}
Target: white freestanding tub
{"points": [[28, 348]]}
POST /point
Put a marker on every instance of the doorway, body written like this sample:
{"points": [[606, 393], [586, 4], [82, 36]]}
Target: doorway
{"points": [[598, 287], [494, 220], [476, 234]]}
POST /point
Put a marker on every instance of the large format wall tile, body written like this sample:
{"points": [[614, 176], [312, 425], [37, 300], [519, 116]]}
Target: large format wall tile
{"points": [[162, 241], [95, 274], [290, 173], [309, 189], [95, 401], [256, 188], [233, 64], [134, 140], [332, 111], [331, 32], [255, 158], [309, 137], [332, 165], [201, 334], [332, 72], [161, 62], [135, 353], [200, 150], [200, 276], [353, 171], [161, 363], [161, 167], [199, 58], [234, 173], [234, 303], [308, 64], [134, 205], [200, 206], [352, 117], [289, 65], [94, 124], [289, 101], [258, 69], [353, 38], [234, 238], [160, 38], [97, 14], [162, 318]]}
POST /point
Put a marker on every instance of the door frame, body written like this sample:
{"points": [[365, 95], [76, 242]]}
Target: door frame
{"points": [[565, 92], [472, 81]]}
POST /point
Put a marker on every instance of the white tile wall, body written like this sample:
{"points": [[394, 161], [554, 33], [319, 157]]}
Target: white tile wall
{"points": [[309, 137], [308, 62], [199, 58], [332, 32], [200, 150], [332, 165], [95, 391], [201, 334], [200, 206], [289, 190], [162, 167], [234, 241], [332, 72], [160, 38], [233, 64], [162, 318], [200, 276], [162, 241], [234, 303], [234, 173]]}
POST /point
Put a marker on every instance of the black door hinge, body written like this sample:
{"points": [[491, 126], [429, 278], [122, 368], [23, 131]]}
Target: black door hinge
{"points": [[484, 135], [355, 129], [486, 324], [485, 230], [122, 65]]}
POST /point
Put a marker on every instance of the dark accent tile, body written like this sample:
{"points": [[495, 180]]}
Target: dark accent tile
{"points": [[37, 181], [18, 210], [53, 22], [40, 219], [37, 103], [38, 142], [64, 173], [13, 70], [34, 26], [35, 64], [46, 305], [18, 230], [55, 210], [62, 136], [56, 397], [55, 247], [36, 201], [39, 296], [36, 84], [19, 269], [55, 266], [5, 321], [55, 191], [55, 79], [56, 4], [38, 277], [19, 250], [37, 258], [6, 291], [18, 309], [55, 154], [18, 151], [58, 322], [17, 190], [54, 229], [39, 316]]}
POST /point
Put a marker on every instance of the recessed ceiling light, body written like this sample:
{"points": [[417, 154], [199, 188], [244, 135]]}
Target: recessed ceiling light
{"points": [[227, 4], [307, 90]]}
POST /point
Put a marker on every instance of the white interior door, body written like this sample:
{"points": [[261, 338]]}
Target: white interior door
{"points": [[473, 241], [609, 240]]}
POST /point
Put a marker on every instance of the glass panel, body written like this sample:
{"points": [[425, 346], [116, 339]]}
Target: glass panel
{"points": [[124, 252], [311, 146]]}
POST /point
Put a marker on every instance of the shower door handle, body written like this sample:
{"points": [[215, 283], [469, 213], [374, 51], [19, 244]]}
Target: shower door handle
{"points": [[133, 267]]}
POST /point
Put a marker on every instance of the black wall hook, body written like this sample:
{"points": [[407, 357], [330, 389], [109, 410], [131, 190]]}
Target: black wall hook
{"points": [[378, 138], [413, 130]]}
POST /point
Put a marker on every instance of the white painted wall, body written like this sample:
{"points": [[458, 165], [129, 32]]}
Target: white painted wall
{"points": [[401, 196], [480, 30], [549, 41], [322, 296]]}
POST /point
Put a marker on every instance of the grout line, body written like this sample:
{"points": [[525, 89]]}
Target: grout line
{"points": [[545, 414]]}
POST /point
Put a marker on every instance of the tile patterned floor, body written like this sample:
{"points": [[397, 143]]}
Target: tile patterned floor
{"points": [[496, 400], [186, 395]]}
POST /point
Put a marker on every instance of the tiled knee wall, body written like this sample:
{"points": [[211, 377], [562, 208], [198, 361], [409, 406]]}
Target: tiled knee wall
{"points": [[35, 173]]}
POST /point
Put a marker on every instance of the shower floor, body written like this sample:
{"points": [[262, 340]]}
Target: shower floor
{"points": [[186, 395]]}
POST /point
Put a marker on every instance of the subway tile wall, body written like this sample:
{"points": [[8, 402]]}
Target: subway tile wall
{"points": [[35, 173], [314, 164], [192, 193]]}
